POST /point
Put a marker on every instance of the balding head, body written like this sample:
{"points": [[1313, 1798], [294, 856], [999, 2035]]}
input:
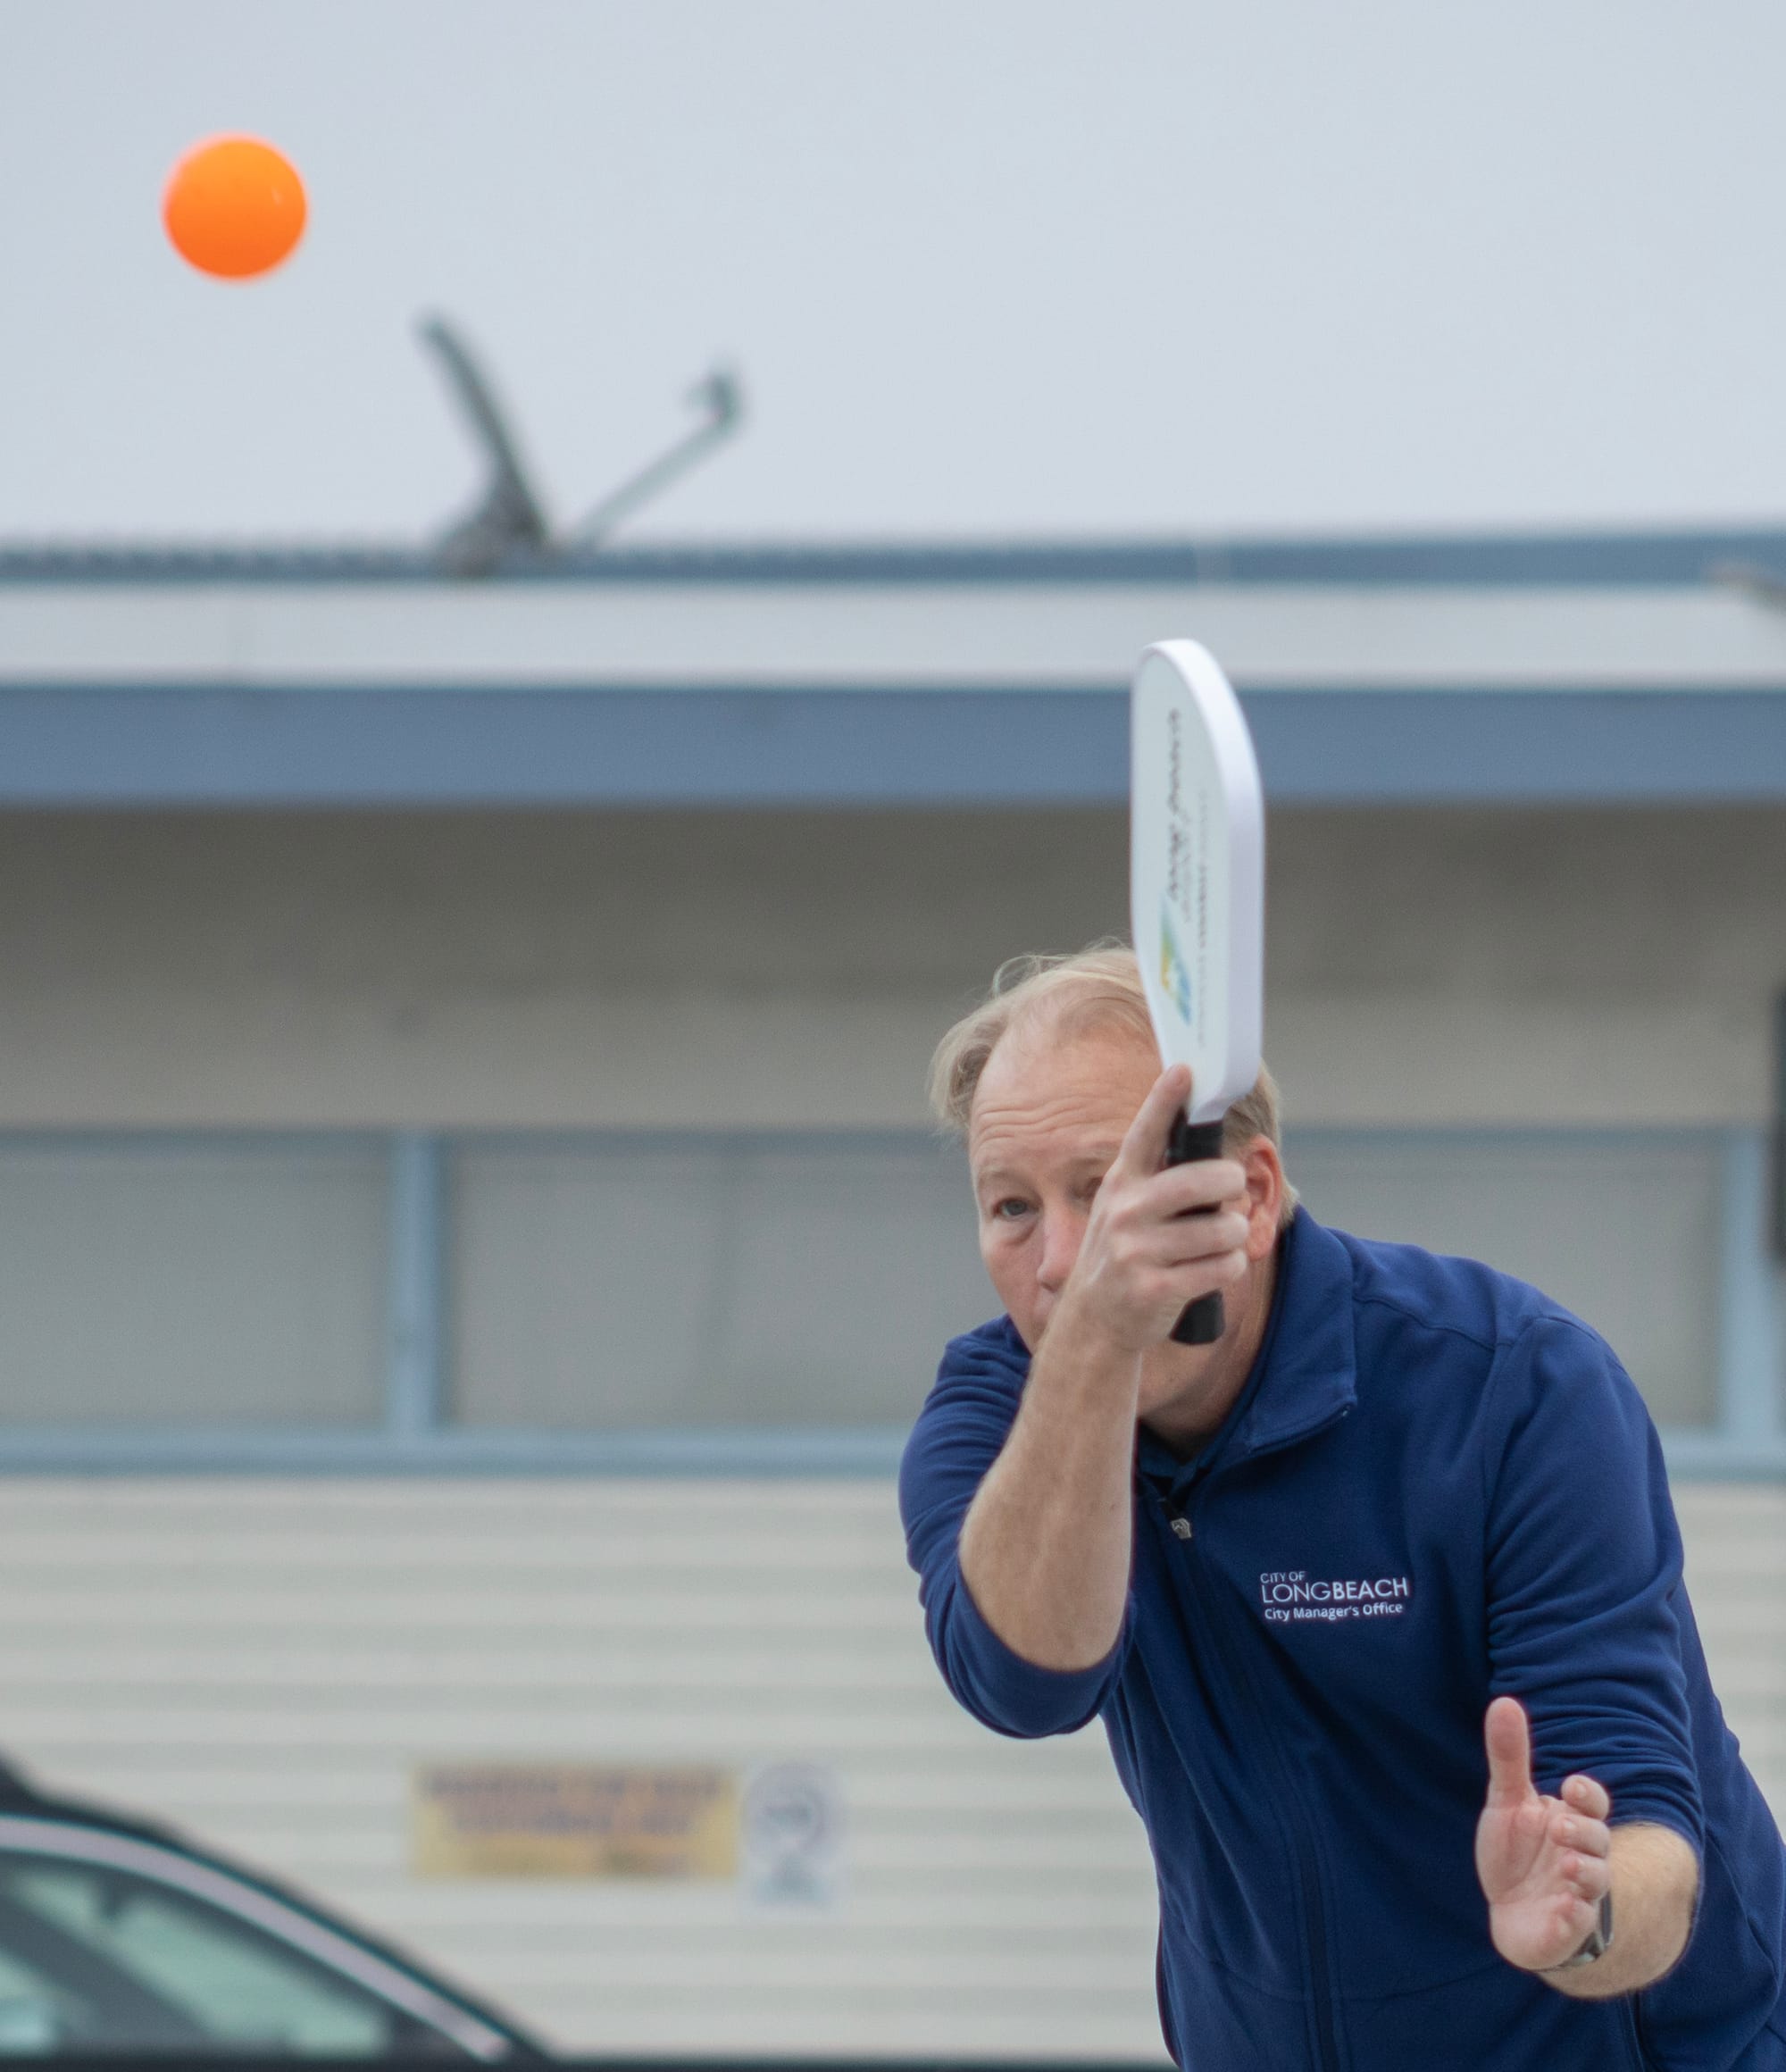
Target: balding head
{"points": [[1037, 1002]]}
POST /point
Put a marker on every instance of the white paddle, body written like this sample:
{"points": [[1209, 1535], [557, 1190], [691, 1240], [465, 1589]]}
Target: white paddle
{"points": [[1196, 890]]}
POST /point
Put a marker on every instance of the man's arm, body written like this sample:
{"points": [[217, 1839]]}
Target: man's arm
{"points": [[1045, 1548], [1654, 1882], [1046, 1542], [1585, 1617], [1546, 1862]]}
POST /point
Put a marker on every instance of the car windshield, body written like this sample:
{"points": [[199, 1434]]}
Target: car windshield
{"points": [[93, 1958]]}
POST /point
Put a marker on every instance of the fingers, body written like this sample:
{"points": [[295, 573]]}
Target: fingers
{"points": [[1188, 1190], [1584, 1849], [1159, 1237], [1588, 1795], [1585, 1878], [1572, 1831], [1150, 1235], [1142, 1157], [1577, 1915], [1508, 1740], [1165, 1290], [1176, 1237], [1583, 1840], [1545, 1863], [1145, 1147]]}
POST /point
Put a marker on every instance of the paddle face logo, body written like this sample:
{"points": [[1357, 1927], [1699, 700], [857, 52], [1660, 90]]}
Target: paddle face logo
{"points": [[1174, 976], [1184, 908]]}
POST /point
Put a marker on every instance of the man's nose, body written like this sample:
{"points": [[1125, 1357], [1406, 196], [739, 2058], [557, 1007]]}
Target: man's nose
{"points": [[1061, 1235]]}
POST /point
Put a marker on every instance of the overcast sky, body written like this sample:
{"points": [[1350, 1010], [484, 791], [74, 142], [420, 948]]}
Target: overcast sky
{"points": [[987, 267]]}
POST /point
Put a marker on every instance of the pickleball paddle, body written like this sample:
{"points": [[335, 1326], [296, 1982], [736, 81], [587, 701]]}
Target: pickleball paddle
{"points": [[1196, 821]]}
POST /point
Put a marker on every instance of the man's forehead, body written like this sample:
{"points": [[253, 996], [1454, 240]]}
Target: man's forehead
{"points": [[1042, 1050], [1047, 1084]]}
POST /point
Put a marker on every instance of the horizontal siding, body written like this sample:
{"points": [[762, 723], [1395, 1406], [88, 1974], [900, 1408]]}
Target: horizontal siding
{"points": [[1736, 1571], [262, 1662]]}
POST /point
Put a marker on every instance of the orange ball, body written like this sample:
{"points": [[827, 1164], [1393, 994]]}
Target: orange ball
{"points": [[234, 207]]}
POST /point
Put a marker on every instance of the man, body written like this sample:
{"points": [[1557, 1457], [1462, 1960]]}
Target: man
{"points": [[1379, 1597]]}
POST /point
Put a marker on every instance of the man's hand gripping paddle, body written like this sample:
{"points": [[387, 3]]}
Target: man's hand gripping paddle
{"points": [[1197, 853]]}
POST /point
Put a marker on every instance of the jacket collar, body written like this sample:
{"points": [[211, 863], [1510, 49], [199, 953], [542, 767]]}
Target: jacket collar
{"points": [[1307, 1374], [1305, 1377]]}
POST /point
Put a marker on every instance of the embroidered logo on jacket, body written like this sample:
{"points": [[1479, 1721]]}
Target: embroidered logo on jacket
{"points": [[1290, 1595]]}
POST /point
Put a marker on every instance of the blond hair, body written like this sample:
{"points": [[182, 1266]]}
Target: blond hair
{"points": [[1098, 986]]}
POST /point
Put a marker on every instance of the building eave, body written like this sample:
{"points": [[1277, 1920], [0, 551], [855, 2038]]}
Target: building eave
{"points": [[920, 675]]}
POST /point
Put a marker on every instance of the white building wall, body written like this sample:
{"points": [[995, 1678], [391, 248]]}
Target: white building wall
{"points": [[784, 969], [264, 1661]]}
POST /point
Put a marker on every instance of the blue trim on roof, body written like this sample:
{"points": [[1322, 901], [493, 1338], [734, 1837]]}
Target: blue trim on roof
{"points": [[1677, 557], [350, 747]]}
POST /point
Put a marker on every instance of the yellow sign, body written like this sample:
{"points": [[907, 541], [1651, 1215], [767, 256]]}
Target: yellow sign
{"points": [[574, 1820]]}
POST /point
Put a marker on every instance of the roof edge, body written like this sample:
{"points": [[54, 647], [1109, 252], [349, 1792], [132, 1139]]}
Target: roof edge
{"points": [[1673, 557]]}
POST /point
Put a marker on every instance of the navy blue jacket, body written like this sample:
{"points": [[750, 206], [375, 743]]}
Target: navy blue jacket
{"points": [[1437, 1487]]}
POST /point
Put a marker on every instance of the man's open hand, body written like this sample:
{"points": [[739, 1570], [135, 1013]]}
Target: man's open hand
{"points": [[1543, 1862], [1147, 1250]]}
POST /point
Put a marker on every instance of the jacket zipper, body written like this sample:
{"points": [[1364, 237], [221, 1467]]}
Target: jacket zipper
{"points": [[1298, 1824], [1308, 1872], [1640, 2056]]}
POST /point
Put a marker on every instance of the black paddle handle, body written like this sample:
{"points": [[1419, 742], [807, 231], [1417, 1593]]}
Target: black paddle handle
{"points": [[1202, 1321]]}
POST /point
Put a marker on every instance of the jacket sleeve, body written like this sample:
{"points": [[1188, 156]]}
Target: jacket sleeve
{"points": [[1583, 1576], [960, 1432]]}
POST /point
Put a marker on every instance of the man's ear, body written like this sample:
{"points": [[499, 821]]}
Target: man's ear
{"points": [[1263, 1163]]}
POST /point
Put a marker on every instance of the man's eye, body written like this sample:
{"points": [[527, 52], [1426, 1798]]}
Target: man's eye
{"points": [[1009, 1209]]}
